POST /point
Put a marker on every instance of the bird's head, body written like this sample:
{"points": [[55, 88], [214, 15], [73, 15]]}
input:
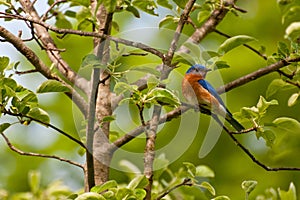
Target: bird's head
{"points": [[198, 69]]}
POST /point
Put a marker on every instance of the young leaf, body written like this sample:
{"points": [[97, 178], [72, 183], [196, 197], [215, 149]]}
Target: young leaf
{"points": [[4, 61], [90, 196], [4, 126], [163, 96], [139, 193], [110, 5], [204, 171], [290, 194], [122, 87], [134, 11], [221, 198], [91, 60], [209, 187], [234, 42], [34, 178], [248, 186], [164, 3], [39, 114], [146, 69], [138, 182], [288, 125], [52, 86], [292, 31], [105, 186], [147, 6], [276, 85], [263, 104], [293, 99], [191, 169]]}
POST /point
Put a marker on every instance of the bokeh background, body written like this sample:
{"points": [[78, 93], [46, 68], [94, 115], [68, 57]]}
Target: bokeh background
{"points": [[179, 140]]}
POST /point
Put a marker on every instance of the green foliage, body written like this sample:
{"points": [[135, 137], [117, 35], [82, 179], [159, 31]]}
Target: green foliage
{"points": [[234, 42], [52, 86]]}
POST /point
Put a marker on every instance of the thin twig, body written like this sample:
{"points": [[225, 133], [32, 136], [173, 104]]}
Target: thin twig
{"points": [[8, 112], [15, 149], [185, 182], [246, 45], [44, 17]]}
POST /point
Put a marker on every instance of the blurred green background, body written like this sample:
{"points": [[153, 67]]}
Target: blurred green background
{"points": [[181, 139]]}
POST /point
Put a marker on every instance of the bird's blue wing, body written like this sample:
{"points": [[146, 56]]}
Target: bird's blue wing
{"points": [[211, 90]]}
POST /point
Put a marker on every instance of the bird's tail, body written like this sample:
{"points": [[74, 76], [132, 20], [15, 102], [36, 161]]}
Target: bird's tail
{"points": [[234, 123]]}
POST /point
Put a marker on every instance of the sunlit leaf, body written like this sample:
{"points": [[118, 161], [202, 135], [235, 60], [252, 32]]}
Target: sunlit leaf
{"points": [[263, 104], [234, 42], [85, 3], [287, 125], [39, 114], [105, 186], [248, 186], [204, 171], [122, 87], [163, 96], [290, 194], [138, 182], [147, 6], [181, 3], [221, 198], [293, 99], [139, 193], [209, 187], [276, 85], [62, 22], [221, 64], [52, 86], [4, 61], [293, 30], [90, 196], [34, 178], [191, 169], [146, 69]]}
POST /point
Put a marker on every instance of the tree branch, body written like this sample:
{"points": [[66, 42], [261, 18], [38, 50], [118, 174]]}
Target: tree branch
{"points": [[40, 66], [15, 149], [8, 112], [185, 182], [257, 74], [54, 56], [138, 45]]}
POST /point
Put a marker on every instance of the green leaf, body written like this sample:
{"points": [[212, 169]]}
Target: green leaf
{"points": [[90, 196], [207, 55], [221, 198], [163, 97], [62, 22], [108, 118], [194, 48], [123, 192], [145, 69], [248, 186], [34, 178], [276, 85], [52, 86], [70, 13], [290, 194], [263, 104], [181, 3], [129, 167], [134, 11], [147, 6], [293, 99], [4, 61], [287, 125], [105, 186], [221, 64], [191, 169], [138, 182], [122, 87], [139, 193], [110, 5], [293, 30], [39, 114], [168, 20], [234, 42], [204, 171], [164, 3], [268, 136], [184, 58], [209, 187], [84, 24], [85, 3], [4, 126], [91, 60]]}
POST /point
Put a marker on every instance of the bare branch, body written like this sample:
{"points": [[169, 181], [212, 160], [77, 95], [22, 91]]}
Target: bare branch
{"points": [[257, 74], [15, 149], [44, 17], [8, 112], [185, 182], [138, 45]]}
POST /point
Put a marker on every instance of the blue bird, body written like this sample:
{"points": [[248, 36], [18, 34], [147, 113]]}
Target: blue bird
{"points": [[198, 91]]}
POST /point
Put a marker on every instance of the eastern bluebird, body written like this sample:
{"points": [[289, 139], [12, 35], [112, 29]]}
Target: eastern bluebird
{"points": [[198, 91]]}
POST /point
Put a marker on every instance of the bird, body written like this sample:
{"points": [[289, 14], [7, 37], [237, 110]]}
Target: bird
{"points": [[198, 91]]}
